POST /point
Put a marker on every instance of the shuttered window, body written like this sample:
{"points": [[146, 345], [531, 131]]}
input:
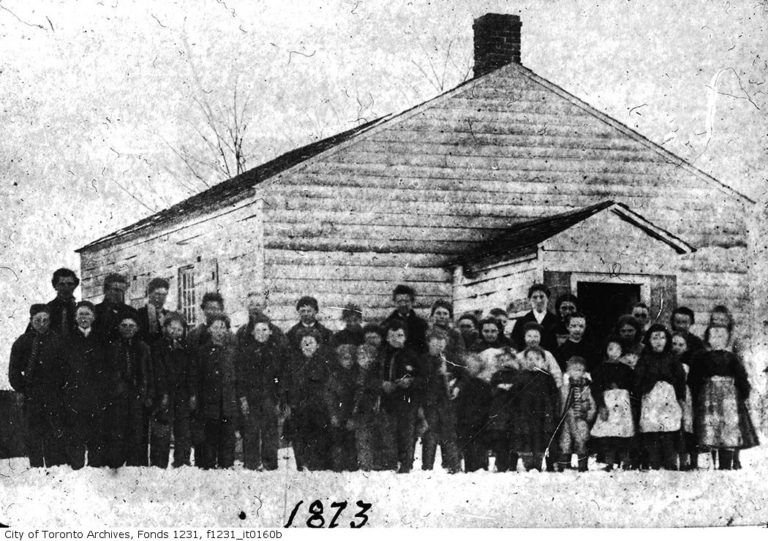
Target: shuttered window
{"points": [[187, 294]]}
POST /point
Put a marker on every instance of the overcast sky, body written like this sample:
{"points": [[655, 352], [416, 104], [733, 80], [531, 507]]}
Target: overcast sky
{"points": [[98, 98]]}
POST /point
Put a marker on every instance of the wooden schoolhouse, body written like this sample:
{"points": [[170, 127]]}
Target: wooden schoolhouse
{"points": [[474, 195]]}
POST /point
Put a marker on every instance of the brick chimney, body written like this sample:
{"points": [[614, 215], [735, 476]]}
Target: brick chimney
{"points": [[497, 41]]}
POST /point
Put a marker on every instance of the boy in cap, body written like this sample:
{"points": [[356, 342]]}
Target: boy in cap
{"points": [[37, 372]]}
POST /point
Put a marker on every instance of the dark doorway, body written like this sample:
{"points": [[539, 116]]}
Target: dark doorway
{"points": [[603, 303]]}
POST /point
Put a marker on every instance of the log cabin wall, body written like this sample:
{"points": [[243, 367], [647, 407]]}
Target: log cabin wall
{"points": [[395, 203]]}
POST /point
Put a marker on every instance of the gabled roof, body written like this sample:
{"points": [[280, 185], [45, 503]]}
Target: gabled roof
{"points": [[240, 186], [524, 238]]}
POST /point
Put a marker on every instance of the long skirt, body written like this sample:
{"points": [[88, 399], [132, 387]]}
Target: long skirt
{"points": [[717, 422]]}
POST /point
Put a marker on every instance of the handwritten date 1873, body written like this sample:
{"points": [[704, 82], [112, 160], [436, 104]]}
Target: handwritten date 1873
{"points": [[317, 520]]}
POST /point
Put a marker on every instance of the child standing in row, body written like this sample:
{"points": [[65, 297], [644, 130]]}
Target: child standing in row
{"points": [[579, 410], [524, 410], [340, 401], [365, 412], [439, 405], [402, 376], [472, 407], [719, 383], [660, 384], [615, 427], [689, 453]]}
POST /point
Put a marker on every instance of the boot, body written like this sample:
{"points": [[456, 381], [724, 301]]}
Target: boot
{"points": [[583, 462]]}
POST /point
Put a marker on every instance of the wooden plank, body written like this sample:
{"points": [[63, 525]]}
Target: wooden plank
{"points": [[580, 118], [368, 302], [544, 195], [493, 150], [535, 126], [638, 165], [531, 102], [603, 186], [499, 273], [366, 288], [461, 138], [364, 245], [274, 256], [525, 277], [370, 273], [667, 175]]}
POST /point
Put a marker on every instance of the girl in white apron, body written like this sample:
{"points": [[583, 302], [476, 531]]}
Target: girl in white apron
{"points": [[614, 427], [660, 384], [720, 384]]}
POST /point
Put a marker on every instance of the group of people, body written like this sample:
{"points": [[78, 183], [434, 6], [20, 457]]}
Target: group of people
{"points": [[109, 385]]}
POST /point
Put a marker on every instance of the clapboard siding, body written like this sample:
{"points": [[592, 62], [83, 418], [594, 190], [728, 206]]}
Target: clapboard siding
{"points": [[628, 177], [409, 196], [491, 150], [494, 287], [397, 202], [501, 142], [230, 239], [594, 185]]}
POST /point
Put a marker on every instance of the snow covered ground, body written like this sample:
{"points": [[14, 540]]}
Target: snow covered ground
{"points": [[143, 497]]}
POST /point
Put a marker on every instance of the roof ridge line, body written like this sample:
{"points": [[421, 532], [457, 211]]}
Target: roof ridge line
{"points": [[617, 124]]}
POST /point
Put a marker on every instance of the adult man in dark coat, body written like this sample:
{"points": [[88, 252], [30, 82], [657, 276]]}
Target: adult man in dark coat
{"points": [[111, 311], [88, 383], [307, 307], [37, 371], [415, 327], [62, 308], [152, 315], [538, 295]]}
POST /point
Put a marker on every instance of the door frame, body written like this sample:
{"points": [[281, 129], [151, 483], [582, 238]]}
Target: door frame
{"points": [[643, 280]]}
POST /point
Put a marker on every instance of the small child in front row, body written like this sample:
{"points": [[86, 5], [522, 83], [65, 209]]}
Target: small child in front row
{"points": [[524, 410], [340, 401], [579, 408], [366, 418], [615, 426], [472, 406], [439, 404]]}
